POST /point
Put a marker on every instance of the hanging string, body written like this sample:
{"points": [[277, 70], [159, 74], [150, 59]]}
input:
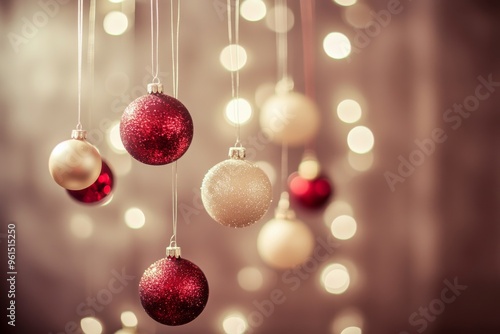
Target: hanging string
{"points": [[154, 44], [175, 86], [175, 46], [91, 57], [306, 14], [234, 58], [80, 48], [281, 20]]}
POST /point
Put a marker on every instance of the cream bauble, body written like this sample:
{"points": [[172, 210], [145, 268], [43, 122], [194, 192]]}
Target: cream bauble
{"points": [[290, 118], [285, 242], [235, 192], [75, 164]]}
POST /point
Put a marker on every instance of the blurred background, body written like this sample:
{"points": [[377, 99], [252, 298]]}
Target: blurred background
{"points": [[409, 136]]}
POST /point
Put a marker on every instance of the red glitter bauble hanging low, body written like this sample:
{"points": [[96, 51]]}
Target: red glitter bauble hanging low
{"points": [[156, 129], [98, 191], [173, 291], [310, 193]]}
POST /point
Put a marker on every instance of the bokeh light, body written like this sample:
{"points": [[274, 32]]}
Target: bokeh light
{"points": [[233, 57], [351, 330], [345, 3], [114, 139], [349, 111], [129, 319], [253, 10], [81, 226], [91, 325], [135, 218], [115, 23], [337, 45], [238, 111], [344, 227], [335, 278], [360, 140], [234, 323], [349, 320], [335, 209], [250, 279]]}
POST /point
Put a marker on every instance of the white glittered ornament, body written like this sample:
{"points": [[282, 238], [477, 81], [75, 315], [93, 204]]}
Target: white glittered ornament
{"points": [[75, 164], [235, 192], [290, 118], [284, 241]]}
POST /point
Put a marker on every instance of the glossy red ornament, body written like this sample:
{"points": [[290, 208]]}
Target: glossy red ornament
{"points": [[173, 291], [156, 129], [310, 193], [97, 191]]}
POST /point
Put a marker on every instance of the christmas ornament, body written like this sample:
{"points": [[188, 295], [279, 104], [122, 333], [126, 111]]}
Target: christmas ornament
{"points": [[97, 191], [235, 192], [284, 241], [310, 193], [75, 163], [156, 129], [308, 186], [290, 118], [173, 291]]}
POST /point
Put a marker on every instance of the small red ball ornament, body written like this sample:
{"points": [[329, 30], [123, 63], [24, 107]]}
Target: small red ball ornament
{"points": [[98, 191], [156, 129], [310, 193], [173, 291]]}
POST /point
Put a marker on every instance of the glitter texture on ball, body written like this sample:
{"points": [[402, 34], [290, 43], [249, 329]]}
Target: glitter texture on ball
{"points": [[97, 191], [156, 129], [236, 193], [173, 291]]}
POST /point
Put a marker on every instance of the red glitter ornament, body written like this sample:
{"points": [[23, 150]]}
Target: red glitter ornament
{"points": [[98, 190], [156, 129], [311, 194], [173, 291]]}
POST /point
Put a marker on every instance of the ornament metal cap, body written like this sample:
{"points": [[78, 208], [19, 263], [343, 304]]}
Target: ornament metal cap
{"points": [[79, 134], [237, 152], [155, 87], [173, 251]]}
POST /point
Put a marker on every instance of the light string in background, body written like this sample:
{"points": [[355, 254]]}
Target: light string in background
{"points": [[234, 45]]}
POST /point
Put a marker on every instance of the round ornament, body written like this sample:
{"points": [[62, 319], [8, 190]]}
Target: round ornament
{"points": [[235, 192], [97, 191], [75, 163], [310, 193], [285, 242], [156, 129], [173, 290], [290, 118]]}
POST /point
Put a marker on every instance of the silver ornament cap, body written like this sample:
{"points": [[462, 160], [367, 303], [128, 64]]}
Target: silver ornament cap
{"points": [[237, 152], [155, 87], [173, 251], [79, 134]]}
